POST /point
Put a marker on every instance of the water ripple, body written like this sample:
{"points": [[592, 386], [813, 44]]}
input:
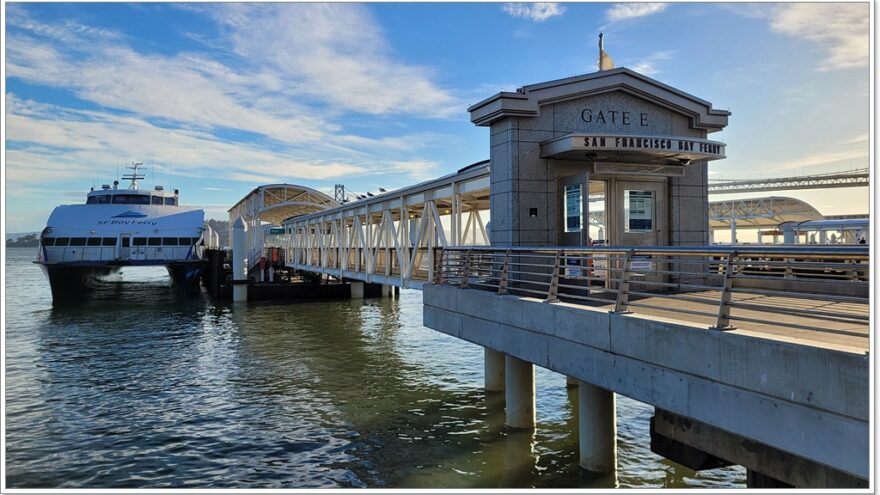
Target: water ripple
{"points": [[141, 386]]}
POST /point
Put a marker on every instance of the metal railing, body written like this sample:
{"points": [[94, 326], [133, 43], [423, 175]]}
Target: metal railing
{"points": [[802, 287]]}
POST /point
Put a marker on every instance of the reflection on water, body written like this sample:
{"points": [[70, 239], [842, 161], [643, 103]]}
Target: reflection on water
{"points": [[141, 385]]}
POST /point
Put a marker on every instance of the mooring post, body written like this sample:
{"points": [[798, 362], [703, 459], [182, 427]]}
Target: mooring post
{"points": [[239, 262]]}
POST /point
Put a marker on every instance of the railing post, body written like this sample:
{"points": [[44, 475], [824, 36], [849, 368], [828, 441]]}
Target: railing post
{"points": [[788, 271], [438, 267], [622, 304], [467, 269], [723, 322], [505, 271], [553, 291]]}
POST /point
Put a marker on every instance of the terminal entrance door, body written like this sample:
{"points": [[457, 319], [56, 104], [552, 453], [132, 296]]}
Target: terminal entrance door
{"points": [[640, 220], [641, 213]]}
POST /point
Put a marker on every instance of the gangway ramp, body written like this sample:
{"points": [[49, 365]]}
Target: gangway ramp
{"points": [[392, 238]]}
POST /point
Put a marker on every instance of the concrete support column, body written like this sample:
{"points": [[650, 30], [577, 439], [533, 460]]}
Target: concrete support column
{"points": [[519, 393], [571, 382], [493, 370], [357, 290], [239, 264], [597, 428], [386, 290]]}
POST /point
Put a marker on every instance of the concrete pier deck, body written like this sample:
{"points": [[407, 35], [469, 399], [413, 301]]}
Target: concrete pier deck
{"points": [[791, 395]]}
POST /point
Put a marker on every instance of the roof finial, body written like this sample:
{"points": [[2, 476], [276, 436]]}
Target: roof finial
{"points": [[605, 62]]}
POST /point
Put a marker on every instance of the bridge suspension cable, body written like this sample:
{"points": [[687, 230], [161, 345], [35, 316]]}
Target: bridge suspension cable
{"points": [[855, 178]]}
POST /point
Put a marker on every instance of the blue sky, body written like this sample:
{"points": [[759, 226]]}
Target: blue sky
{"points": [[218, 98]]}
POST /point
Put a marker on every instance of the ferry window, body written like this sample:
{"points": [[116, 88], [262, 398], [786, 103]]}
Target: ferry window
{"points": [[61, 241], [126, 241], [157, 200], [131, 199], [92, 200], [94, 241], [48, 241], [169, 241], [195, 240], [155, 241], [103, 200], [108, 241], [169, 201], [185, 241], [140, 241], [77, 241]]}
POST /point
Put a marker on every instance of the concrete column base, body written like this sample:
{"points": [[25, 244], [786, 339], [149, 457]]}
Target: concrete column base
{"points": [[493, 370], [597, 429], [357, 290], [519, 393], [571, 382], [239, 293], [386, 291]]}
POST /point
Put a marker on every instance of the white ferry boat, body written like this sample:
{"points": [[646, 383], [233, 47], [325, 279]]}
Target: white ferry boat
{"points": [[121, 227]]}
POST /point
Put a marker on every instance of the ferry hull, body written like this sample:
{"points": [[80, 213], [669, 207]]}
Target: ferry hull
{"points": [[185, 275], [74, 282]]}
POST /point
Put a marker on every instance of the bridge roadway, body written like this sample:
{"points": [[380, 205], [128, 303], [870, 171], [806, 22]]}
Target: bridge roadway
{"points": [[758, 357]]}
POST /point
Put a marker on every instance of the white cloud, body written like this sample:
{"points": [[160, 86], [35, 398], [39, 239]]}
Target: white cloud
{"points": [[334, 52], [54, 143], [649, 65], [537, 11], [175, 112], [842, 28], [624, 11]]}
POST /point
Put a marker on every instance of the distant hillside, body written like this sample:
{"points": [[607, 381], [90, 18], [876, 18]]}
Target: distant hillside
{"points": [[27, 240], [16, 235]]}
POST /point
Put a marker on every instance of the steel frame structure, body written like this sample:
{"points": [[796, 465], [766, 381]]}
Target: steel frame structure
{"points": [[272, 203], [856, 178], [391, 238]]}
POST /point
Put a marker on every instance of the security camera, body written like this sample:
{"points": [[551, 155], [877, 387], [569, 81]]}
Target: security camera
{"points": [[684, 161]]}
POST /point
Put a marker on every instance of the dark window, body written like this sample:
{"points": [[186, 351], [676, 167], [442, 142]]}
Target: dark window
{"points": [[155, 241], [61, 241], [157, 200], [108, 241], [169, 241], [92, 200], [131, 199], [170, 201], [77, 241], [140, 241], [195, 240], [94, 241], [185, 241], [105, 199], [48, 241], [126, 241]]}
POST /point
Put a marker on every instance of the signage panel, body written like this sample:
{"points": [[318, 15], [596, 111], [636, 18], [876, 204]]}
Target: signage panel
{"points": [[639, 211]]}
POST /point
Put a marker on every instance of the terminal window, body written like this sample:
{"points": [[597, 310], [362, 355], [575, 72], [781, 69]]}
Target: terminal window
{"points": [[638, 211], [573, 208]]}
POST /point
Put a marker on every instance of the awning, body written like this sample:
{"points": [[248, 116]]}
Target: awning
{"points": [[624, 148]]}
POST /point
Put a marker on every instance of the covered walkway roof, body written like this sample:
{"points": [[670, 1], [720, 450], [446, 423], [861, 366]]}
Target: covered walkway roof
{"points": [[273, 203], [767, 212]]}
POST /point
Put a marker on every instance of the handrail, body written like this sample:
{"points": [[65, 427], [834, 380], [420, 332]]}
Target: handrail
{"points": [[813, 251], [789, 286]]}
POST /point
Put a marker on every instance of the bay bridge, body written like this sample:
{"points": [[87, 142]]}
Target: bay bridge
{"points": [[752, 355]]}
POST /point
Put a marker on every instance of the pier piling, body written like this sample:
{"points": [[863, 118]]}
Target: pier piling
{"points": [[519, 393], [597, 428]]}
